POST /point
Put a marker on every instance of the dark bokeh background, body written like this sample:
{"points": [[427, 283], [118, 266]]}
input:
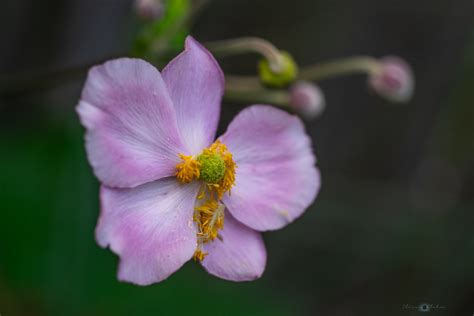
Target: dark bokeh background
{"points": [[393, 224]]}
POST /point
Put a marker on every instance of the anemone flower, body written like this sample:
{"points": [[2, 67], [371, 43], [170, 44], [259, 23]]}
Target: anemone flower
{"points": [[170, 191]]}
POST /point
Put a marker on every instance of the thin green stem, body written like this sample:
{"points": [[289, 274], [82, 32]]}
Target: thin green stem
{"points": [[245, 89], [246, 45], [243, 83], [339, 67]]}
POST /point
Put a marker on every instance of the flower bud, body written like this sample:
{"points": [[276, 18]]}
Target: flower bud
{"points": [[149, 9], [393, 80], [307, 99], [278, 78]]}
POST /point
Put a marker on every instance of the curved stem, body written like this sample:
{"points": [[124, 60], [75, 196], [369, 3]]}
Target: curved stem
{"points": [[334, 68], [338, 67], [243, 83], [247, 89], [245, 45]]}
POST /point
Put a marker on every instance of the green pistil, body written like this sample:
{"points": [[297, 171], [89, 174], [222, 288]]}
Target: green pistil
{"points": [[212, 168]]}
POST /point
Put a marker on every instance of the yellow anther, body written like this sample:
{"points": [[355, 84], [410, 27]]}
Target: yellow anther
{"points": [[188, 169], [228, 181], [199, 255], [209, 212]]}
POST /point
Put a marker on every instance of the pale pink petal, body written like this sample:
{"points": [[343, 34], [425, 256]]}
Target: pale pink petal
{"points": [[276, 177], [196, 85], [132, 135], [239, 256], [150, 227]]}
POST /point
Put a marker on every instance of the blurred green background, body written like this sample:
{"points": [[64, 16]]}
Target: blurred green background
{"points": [[393, 224]]}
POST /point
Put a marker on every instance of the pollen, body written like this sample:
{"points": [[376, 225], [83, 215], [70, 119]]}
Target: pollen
{"points": [[199, 255], [188, 169], [215, 168], [228, 180], [209, 218]]}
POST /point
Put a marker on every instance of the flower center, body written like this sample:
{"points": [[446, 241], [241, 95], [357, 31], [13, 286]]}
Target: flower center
{"points": [[216, 169], [212, 167]]}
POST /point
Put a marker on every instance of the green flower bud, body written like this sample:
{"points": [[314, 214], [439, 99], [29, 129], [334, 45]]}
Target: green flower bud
{"points": [[212, 167], [278, 78]]}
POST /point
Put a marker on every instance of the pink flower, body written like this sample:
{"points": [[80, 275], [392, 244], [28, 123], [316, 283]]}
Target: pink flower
{"points": [[169, 192]]}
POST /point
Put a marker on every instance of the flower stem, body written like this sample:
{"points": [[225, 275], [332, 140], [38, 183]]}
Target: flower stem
{"points": [[339, 67], [247, 89], [243, 83], [248, 44]]}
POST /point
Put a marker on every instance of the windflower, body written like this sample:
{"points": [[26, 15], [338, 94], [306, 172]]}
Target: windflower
{"points": [[171, 192]]}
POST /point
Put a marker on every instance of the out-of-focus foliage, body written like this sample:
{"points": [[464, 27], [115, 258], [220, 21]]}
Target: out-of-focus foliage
{"points": [[166, 33]]}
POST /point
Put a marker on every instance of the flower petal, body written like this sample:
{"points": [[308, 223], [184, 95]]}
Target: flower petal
{"points": [[150, 227], [196, 85], [132, 136], [239, 256], [276, 176]]}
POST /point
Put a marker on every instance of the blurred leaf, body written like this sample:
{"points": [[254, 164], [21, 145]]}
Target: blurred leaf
{"points": [[166, 33]]}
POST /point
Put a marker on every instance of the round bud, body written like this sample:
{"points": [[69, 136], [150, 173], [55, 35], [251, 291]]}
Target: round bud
{"points": [[393, 80], [280, 75], [307, 99], [149, 9], [212, 167]]}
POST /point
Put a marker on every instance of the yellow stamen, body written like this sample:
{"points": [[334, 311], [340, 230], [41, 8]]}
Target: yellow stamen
{"points": [[228, 180], [199, 255], [209, 212], [188, 169], [209, 218]]}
